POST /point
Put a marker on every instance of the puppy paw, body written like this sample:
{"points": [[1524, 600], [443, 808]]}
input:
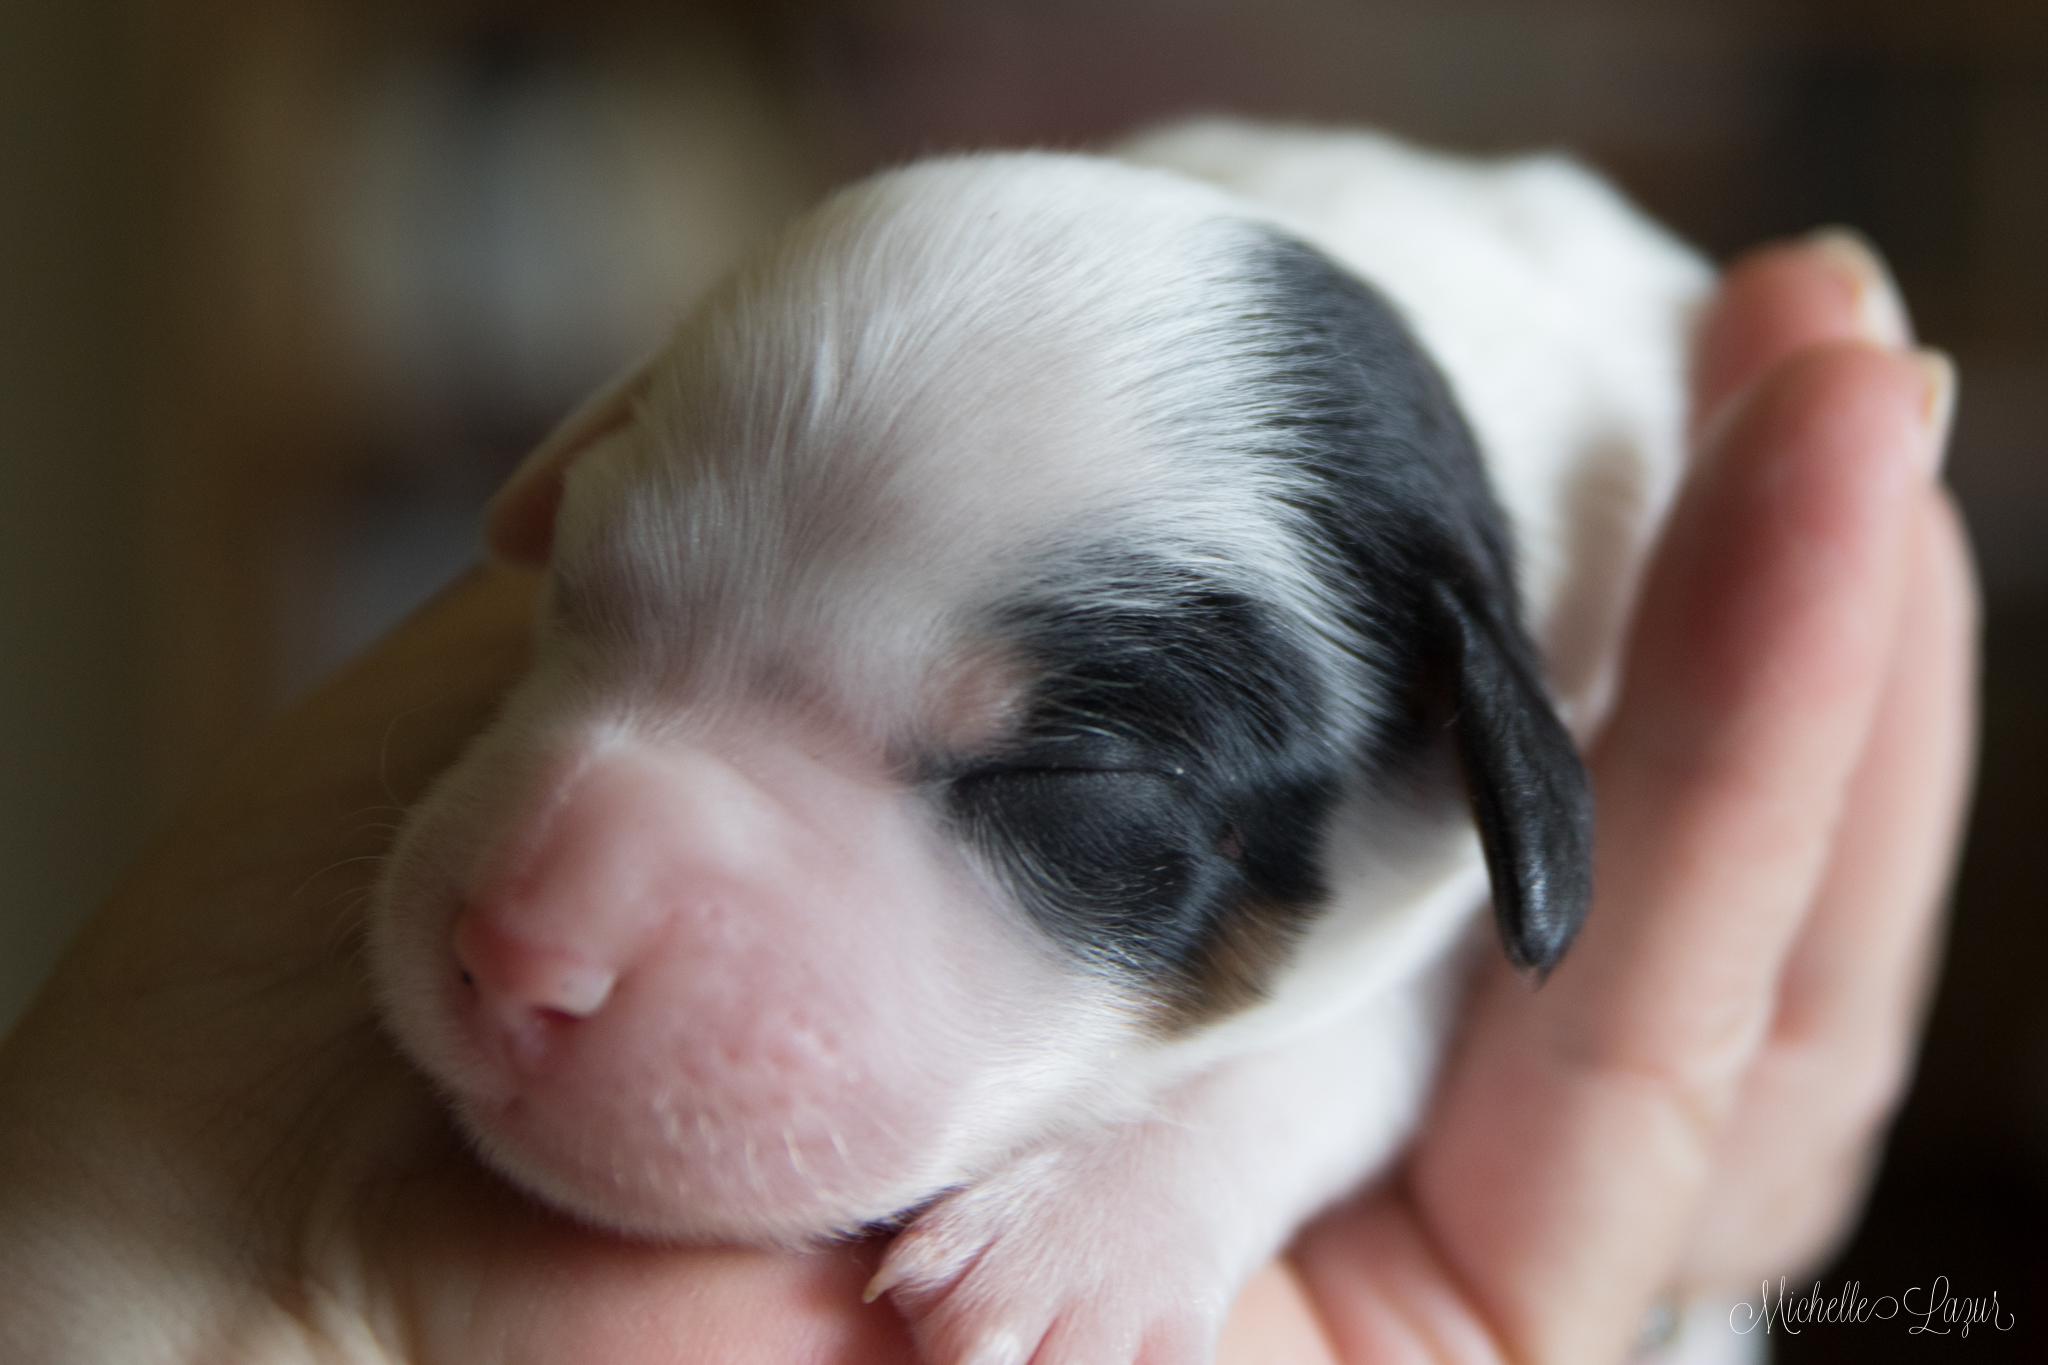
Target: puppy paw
{"points": [[1103, 1255]]}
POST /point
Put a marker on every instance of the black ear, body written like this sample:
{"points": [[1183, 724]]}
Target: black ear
{"points": [[1530, 794]]}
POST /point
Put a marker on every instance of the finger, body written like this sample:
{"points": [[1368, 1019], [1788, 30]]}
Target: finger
{"points": [[1273, 1323], [1751, 681], [1749, 689], [1894, 856], [480, 1275], [1786, 298], [1388, 1292], [1850, 1000]]}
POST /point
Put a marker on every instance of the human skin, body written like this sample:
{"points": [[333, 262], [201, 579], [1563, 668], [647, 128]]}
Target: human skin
{"points": [[209, 1152]]}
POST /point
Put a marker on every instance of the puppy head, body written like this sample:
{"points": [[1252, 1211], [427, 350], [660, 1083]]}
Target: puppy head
{"points": [[956, 648]]}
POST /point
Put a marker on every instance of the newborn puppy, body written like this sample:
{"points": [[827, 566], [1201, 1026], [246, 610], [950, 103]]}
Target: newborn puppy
{"points": [[1011, 682]]}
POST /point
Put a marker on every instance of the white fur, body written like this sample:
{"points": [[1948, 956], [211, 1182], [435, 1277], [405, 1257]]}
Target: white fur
{"points": [[902, 404]]}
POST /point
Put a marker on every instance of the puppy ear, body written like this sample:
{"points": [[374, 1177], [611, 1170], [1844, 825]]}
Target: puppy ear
{"points": [[519, 520], [1530, 794]]}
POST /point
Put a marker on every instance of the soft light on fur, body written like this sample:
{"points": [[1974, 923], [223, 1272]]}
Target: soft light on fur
{"points": [[1002, 488]]}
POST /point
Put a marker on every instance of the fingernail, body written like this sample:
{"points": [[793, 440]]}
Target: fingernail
{"points": [[1938, 403], [1880, 314]]}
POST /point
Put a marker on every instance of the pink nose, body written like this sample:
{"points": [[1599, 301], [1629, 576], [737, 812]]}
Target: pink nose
{"points": [[511, 973], [561, 911], [525, 994]]}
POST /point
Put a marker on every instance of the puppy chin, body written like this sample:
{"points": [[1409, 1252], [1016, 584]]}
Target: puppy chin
{"points": [[711, 1185]]}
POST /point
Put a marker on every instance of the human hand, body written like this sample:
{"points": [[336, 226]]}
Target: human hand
{"points": [[208, 1151], [1695, 1099]]}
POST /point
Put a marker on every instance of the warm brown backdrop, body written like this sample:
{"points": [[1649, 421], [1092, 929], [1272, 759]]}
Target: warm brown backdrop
{"points": [[286, 284]]}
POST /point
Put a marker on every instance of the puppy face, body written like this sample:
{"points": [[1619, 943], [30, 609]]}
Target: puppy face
{"points": [[960, 648]]}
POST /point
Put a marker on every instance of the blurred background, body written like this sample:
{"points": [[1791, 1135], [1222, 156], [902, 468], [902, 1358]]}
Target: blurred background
{"points": [[286, 286]]}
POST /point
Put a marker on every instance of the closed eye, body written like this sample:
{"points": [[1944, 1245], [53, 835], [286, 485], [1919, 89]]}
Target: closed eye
{"points": [[1057, 755], [990, 771]]}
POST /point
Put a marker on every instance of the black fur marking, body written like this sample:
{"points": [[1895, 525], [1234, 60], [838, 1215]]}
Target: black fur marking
{"points": [[1171, 769], [1407, 505], [1163, 807], [1528, 789]]}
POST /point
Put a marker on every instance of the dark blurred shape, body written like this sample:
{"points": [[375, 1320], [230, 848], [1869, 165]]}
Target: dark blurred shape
{"points": [[1674, 96], [73, 731], [408, 238], [508, 224]]}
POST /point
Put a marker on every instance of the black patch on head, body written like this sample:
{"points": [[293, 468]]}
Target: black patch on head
{"points": [[1404, 502], [1163, 807], [1173, 767]]}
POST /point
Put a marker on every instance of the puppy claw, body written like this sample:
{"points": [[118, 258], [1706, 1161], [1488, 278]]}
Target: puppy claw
{"points": [[899, 1267], [1031, 1267]]}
